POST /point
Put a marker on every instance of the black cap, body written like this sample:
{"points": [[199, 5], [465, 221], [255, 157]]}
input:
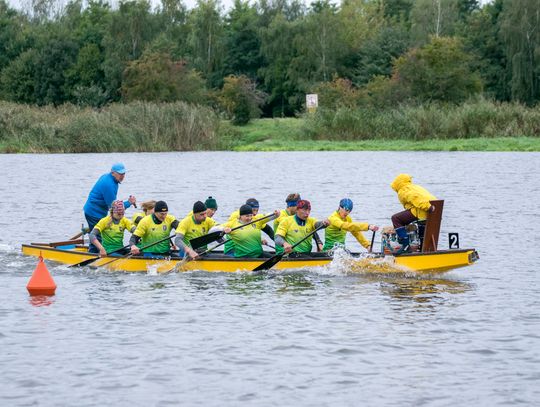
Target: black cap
{"points": [[253, 203], [199, 207], [161, 206], [246, 210], [211, 203]]}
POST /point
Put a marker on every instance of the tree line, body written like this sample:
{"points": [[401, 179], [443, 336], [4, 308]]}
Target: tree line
{"points": [[262, 57]]}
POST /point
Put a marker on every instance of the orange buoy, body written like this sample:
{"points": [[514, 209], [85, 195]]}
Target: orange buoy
{"points": [[41, 282]]}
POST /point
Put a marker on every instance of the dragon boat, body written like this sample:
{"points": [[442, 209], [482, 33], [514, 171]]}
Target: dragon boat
{"points": [[428, 260]]}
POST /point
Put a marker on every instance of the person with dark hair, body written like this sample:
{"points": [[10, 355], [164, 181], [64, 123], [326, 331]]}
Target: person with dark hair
{"points": [[196, 224], [294, 228], [154, 228], [254, 204], [341, 223], [416, 201], [247, 240], [291, 201]]}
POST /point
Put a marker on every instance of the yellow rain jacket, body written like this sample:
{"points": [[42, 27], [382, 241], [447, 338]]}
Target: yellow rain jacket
{"points": [[412, 196]]}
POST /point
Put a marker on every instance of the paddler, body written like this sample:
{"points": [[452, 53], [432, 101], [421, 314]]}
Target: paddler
{"points": [[254, 204], [108, 234], [291, 202], [211, 207], [416, 201], [147, 209], [247, 240], [154, 228], [293, 228], [195, 224], [341, 223]]}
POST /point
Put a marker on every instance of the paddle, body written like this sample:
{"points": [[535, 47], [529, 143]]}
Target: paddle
{"points": [[187, 259], [89, 261], [141, 249], [372, 240], [212, 237], [271, 262]]}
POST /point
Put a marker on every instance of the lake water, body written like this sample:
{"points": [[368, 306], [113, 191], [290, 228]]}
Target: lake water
{"points": [[324, 337]]}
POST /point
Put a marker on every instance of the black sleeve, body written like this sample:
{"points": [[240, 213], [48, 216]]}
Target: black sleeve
{"points": [[134, 240], [269, 231], [175, 224], [317, 240], [137, 220]]}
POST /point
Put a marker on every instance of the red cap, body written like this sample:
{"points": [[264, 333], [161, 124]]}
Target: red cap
{"points": [[303, 204]]}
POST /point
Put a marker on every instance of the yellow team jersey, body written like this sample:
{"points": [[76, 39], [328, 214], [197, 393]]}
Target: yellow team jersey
{"points": [[112, 234], [229, 245], [292, 232], [191, 230], [247, 240], [149, 231], [336, 232], [137, 218]]}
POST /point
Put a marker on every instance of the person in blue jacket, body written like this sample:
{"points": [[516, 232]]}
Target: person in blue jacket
{"points": [[103, 194]]}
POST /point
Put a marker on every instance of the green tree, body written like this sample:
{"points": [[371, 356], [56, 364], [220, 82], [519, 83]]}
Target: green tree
{"points": [[12, 34], [157, 78], [337, 93], [242, 40], [240, 98], [207, 39], [520, 31], [433, 18], [378, 53], [439, 71], [17, 79]]}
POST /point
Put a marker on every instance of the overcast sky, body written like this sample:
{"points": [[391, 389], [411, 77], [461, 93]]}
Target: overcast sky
{"points": [[189, 3]]}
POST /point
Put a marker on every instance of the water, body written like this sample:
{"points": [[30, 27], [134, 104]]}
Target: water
{"points": [[325, 337]]}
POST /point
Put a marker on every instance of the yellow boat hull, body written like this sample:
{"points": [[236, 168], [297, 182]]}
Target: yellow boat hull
{"points": [[439, 261]]}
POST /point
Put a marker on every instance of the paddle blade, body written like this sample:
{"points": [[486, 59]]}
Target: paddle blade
{"points": [[204, 240], [271, 262], [84, 263]]}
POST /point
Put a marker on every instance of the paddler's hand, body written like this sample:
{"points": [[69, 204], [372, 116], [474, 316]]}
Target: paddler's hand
{"points": [[326, 223], [134, 250], [102, 252], [287, 248], [132, 200], [320, 247], [276, 214], [264, 242], [191, 253], [373, 228], [227, 231]]}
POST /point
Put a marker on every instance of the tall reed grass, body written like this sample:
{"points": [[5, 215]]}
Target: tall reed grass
{"points": [[473, 119], [136, 126]]}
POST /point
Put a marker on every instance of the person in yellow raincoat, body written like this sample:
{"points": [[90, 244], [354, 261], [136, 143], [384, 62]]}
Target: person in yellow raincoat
{"points": [[416, 201]]}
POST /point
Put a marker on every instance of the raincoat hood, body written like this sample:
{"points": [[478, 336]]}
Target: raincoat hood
{"points": [[400, 181]]}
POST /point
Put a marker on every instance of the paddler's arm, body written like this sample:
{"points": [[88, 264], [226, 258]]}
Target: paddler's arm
{"points": [[179, 242], [269, 231], [280, 241], [316, 237], [94, 239], [133, 241], [361, 238]]}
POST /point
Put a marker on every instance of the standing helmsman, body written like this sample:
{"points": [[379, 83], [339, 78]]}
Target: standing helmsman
{"points": [[103, 194], [416, 201]]}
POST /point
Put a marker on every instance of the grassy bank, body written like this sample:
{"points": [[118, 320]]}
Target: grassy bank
{"points": [[479, 126], [118, 127]]}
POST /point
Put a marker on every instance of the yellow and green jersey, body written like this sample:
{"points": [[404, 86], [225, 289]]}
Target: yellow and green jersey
{"points": [[336, 232], [293, 232], [282, 215], [247, 240], [190, 229], [229, 244], [112, 234], [149, 231], [137, 218]]}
